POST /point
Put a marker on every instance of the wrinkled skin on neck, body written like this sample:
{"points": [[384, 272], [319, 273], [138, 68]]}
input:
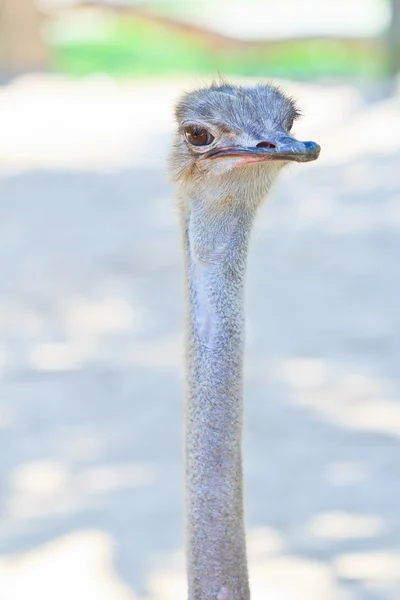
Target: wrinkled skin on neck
{"points": [[216, 224]]}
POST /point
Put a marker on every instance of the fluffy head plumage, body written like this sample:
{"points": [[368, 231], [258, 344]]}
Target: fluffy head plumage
{"points": [[252, 109]]}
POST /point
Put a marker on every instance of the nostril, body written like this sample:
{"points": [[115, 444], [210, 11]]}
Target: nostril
{"points": [[265, 145]]}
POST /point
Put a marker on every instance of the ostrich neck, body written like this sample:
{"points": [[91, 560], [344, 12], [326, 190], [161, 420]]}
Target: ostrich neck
{"points": [[215, 242]]}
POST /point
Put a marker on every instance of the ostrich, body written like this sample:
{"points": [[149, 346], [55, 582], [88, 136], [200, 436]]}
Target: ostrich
{"points": [[231, 143]]}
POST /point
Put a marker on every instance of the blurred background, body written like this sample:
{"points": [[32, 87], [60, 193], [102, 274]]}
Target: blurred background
{"points": [[91, 299]]}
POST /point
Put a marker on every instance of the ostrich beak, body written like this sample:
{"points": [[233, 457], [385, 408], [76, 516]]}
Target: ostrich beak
{"points": [[278, 147]]}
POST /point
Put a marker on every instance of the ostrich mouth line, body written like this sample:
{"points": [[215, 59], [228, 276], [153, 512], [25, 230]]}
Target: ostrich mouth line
{"points": [[290, 150]]}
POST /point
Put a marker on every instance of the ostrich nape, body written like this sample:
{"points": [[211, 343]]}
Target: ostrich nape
{"points": [[230, 144]]}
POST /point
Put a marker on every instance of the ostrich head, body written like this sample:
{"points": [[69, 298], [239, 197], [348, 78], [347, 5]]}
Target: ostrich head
{"points": [[235, 139]]}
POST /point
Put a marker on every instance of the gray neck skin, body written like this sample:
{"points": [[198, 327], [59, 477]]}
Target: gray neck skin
{"points": [[215, 243]]}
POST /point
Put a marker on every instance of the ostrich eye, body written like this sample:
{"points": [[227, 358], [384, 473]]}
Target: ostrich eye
{"points": [[198, 136]]}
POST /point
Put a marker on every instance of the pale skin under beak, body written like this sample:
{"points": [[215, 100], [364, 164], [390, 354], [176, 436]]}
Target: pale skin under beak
{"points": [[286, 149]]}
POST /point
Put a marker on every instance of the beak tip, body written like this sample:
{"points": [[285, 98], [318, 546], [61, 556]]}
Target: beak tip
{"points": [[312, 146], [310, 151]]}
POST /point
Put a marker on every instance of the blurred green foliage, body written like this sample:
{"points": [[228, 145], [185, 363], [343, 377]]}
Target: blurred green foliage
{"points": [[122, 46]]}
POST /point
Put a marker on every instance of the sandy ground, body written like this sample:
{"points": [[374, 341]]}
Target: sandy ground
{"points": [[91, 358]]}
